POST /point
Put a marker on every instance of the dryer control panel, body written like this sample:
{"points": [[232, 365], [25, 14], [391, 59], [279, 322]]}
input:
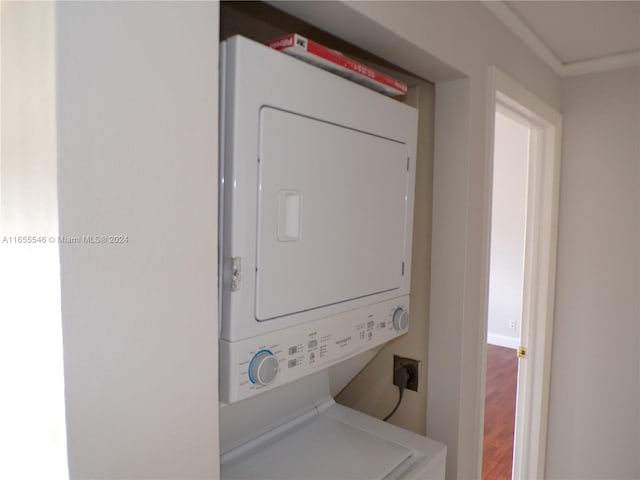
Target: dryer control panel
{"points": [[254, 365]]}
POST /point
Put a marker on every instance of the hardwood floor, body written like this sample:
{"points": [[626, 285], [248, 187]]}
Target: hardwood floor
{"points": [[500, 410]]}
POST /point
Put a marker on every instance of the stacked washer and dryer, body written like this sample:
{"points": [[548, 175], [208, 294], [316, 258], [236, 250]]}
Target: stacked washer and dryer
{"points": [[317, 181]]}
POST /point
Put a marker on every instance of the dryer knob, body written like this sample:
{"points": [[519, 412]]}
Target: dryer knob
{"points": [[263, 368], [400, 319]]}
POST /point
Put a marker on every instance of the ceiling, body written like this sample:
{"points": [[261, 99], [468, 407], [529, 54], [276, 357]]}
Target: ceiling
{"points": [[576, 37]]}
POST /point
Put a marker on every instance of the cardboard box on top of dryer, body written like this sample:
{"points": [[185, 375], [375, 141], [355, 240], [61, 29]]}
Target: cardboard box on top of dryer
{"points": [[333, 61]]}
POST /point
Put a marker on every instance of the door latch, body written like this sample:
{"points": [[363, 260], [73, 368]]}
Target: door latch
{"points": [[232, 273], [522, 352]]}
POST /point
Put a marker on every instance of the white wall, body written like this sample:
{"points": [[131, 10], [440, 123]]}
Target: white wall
{"points": [[594, 423], [508, 210], [452, 44], [137, 123]]}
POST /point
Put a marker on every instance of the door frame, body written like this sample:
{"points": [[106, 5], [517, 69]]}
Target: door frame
{"points": [[540, 267]]}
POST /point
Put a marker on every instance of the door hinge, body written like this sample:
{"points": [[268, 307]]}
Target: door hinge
{"points": [[233, 273], [402, 268], [408, 163], [522, 352]]}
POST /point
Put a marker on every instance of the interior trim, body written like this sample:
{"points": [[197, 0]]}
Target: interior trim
{"points": [[601, 64]]}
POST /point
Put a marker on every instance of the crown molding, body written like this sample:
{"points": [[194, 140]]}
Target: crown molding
{"points": [[601, 64], [522, 31]]}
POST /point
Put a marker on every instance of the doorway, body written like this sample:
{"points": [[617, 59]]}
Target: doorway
{"points": [[512, 134], [525, 185]]}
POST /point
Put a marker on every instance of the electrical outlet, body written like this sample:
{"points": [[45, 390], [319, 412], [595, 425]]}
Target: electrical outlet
{"points": [[512, 324], [413, 369]]}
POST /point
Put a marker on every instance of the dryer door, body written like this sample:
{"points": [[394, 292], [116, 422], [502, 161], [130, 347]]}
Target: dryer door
{"points": [[324, 235]]}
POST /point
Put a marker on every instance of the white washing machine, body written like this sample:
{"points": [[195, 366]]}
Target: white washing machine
{"points": [[317, 182], [334, 442], [298, 432]]}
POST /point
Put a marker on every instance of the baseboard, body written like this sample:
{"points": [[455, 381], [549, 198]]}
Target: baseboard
{"points": [[503, 341]]}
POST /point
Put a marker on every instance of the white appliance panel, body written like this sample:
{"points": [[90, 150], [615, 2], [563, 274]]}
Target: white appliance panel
{"points": [[339, 452], [333, 442], [307, 348], [258, 79], [332, 207]]}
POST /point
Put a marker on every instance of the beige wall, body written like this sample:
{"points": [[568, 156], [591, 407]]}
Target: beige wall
{"points": [[594, 422], [372, 391], [137, 111]]}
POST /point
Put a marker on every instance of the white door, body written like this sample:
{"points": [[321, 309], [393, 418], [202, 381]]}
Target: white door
{"points": [[324, 235]]}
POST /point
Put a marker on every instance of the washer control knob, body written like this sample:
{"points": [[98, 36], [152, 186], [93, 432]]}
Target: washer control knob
{"points": [[400, 319], [263, 368]]}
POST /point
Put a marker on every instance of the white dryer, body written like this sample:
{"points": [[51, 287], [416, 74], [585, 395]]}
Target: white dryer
{"points": [[317, 183]]}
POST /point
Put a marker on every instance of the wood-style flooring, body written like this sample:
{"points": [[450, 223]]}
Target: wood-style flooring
{"points": [[499, 414]]}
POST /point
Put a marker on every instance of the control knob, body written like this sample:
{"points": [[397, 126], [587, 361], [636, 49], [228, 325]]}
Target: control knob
{"points": [[400, 319], [263, 368]]}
